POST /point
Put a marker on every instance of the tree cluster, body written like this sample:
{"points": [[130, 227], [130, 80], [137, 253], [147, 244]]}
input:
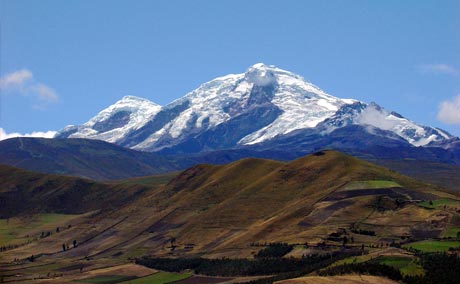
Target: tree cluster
{"points": [[242, 267], [363, 232], [274, 250], [440, 268]]}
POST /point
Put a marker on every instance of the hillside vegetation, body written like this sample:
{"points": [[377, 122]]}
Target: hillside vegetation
{"points": [[327, 201]]}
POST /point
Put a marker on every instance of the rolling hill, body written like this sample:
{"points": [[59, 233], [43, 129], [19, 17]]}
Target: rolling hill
{"points": [[70, 224], [25, 193], [221, 210]]}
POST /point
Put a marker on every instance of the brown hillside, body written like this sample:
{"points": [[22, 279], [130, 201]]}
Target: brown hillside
{"points": [[221, 210]]}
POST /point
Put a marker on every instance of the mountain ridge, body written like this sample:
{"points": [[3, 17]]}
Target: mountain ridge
{"points": [[94, 159], [261, 105]]}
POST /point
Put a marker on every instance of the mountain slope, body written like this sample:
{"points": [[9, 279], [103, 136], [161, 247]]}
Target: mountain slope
{"points": [[92, 159], [115, 122], [263, 104], [323, 203], [26, 192], [220, 210]]}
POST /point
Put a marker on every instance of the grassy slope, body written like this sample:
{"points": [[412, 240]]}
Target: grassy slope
{"points": [[433, 246], [160, 278], [29, 192], [219, 210]]}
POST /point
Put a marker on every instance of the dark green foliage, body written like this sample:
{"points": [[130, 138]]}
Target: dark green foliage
{"points": [[244, 267], [363, 232], [364, 268], [274, 250], [440, 268]]}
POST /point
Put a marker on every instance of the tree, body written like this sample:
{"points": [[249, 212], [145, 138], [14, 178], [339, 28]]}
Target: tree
{"points": [[345, 240]]}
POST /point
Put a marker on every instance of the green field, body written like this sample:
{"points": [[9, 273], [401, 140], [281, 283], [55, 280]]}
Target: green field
{"points": [[439, 203], [159, 278], [406, 265], [369, 184], [433, 246], [106, 279], [15, 230], [353, 259], [451, 232]]}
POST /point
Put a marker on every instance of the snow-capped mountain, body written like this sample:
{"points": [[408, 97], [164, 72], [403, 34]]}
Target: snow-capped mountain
{"points": [[115, 122], [263, 104]]}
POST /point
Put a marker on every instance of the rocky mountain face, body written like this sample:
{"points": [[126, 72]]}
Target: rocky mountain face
{"points": [[261, 108]]}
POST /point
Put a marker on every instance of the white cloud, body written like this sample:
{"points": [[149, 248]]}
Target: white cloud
{"points": [[45, 93], [22, 82], [260, 76], [449, 111], [47, 134], [439, 69], [377, 117], [15, 79]]}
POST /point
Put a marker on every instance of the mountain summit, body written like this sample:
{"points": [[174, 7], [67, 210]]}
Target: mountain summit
{"points": [[263, 104]]}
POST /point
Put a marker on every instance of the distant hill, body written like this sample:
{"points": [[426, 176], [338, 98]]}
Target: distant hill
{"points": [[102, 161], [93, 159], [26, 192]]}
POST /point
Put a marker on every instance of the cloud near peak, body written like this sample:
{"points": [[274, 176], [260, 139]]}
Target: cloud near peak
{"points": [[449, 111], [46, 134]]}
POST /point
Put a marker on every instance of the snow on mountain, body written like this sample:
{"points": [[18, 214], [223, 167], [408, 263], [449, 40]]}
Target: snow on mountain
{"points": [[373, 116], [115, 122], [302, 104], [242, 109], [415, 134]]}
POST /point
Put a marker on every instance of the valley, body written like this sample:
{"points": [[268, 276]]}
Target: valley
{"points": [[58, 229]]}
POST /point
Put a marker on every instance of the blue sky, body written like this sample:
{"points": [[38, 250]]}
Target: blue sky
{"points": [[64, 61]]}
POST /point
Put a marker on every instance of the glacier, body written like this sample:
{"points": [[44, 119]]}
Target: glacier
{"points": [[263, 103]]}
